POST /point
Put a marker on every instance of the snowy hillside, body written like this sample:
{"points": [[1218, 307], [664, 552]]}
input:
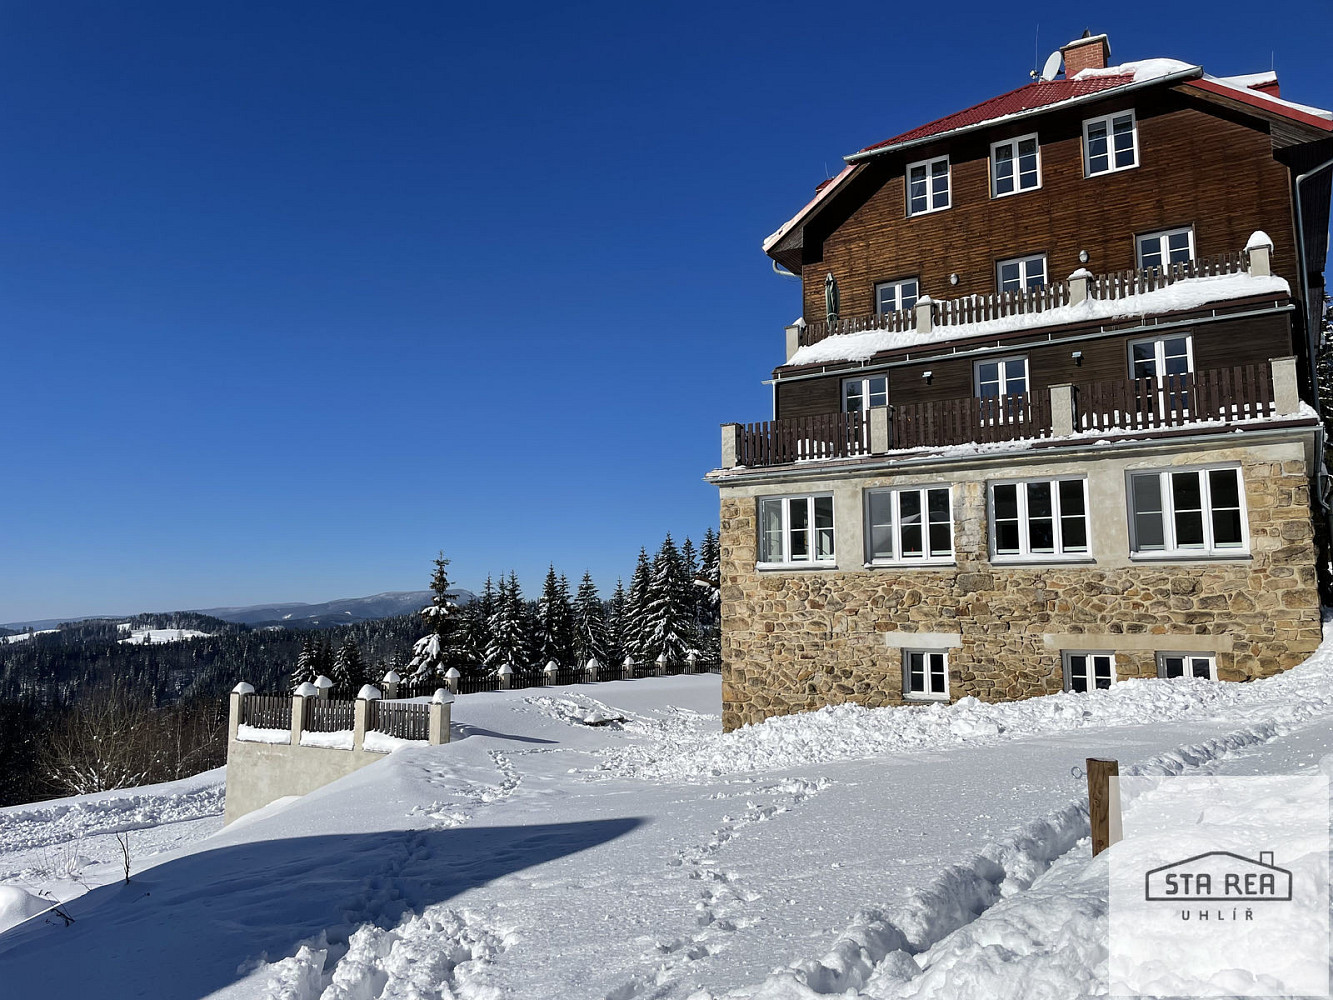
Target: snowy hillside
{"points": [[144, 636], [25, 636], [883, 852]]}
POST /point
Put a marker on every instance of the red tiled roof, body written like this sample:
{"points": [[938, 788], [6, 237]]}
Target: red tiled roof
{"points": [[1038, 94]]}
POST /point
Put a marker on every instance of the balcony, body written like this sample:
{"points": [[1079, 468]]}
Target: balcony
{"points": [[1213, 399]]}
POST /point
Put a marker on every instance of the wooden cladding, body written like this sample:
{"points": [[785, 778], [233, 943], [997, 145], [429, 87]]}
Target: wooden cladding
{"points": [[1198, 167], [1242, 392]]}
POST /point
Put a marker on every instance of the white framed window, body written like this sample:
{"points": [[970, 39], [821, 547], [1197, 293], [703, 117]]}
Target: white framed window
{"points": [[860, 394], [796, 531], [1157, 357], [1110, 143], [1172, 665], [910, 525], [1001, 377], [890, 296], [1019, 273], [1170, 246], [1015, 165], [928, 186], [1086, 671], [1187, 512], [1039, 519], [926, 674]]}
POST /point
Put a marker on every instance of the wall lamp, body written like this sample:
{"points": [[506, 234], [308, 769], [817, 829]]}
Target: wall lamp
{"points": [[1078, 358], [927, 375]]}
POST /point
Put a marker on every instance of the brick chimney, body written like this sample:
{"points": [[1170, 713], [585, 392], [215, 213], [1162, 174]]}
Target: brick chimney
{"points": [[1269, 87], [1089, 52]]}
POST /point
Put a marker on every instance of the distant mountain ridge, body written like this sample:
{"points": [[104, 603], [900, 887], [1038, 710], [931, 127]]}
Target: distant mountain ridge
{"points": [[344, 609]]}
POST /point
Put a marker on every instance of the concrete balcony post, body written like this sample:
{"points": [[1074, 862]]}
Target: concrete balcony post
{"points": [[451, 678], [507, 677], [1259, 249], [925, 314], [361, 714], [391, 682], [1286, 390], [238, 695], [731, 434], [303, 694], [441, 710], [1062, 410], [323, 685], [794, 337], [1080, 286], [879, 430]]}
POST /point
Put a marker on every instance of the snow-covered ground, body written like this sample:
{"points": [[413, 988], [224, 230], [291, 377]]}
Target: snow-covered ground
{"points": [[537, 856], [140, 636], [25, 636]]}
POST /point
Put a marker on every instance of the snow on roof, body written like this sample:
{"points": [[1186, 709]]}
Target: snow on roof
{"points": [[1139, 71], [1248, 94], [821, 192], [1188, 294]]}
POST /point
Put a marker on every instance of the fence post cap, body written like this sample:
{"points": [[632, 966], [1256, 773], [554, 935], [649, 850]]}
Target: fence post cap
{"points": [[692, 656], [368, 692], [323, 682], [307, 690], [592, 663], [507, 670], [661, 658], [551, 666], [925, 300], [442, 696], [452, 674], [392, 677], [243, 688], [629, 661], [1258, 239], [1082, 272]]}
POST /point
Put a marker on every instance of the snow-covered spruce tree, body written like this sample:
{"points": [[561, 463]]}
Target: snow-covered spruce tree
{"points": [[632, 623], [433, 654], [708, 585], [324, 656], [349, 670], [305, 671], [510, 632], [668, 619], [590, 633], [481, 641], [555, 622], [615, 623]]}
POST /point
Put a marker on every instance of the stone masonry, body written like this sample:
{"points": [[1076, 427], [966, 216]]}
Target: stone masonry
{"points": [[797, 640]]}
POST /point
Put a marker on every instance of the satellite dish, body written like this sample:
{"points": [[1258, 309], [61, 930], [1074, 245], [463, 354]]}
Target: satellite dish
{"points": [[1052, 66]]}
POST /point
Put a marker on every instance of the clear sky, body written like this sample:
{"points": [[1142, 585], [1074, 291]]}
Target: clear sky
{"points": [[294, 295]]}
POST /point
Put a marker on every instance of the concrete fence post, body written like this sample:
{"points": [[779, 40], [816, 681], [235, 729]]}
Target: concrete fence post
{"points": [[1080, 286], [238, 695], [924, 315], [879, 430], [550, 671], [1260, 251], [323, 685], [361, 715], [692, 663], [661, 664], [441, 710], [1062, 410], [507, 677], [391, 682], [627, 669], [730, 445], [1286, 390], [300, 696], [451, 678], [592, 670]]}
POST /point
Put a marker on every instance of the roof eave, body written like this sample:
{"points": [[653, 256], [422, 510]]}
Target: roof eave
{"points": [[1193, 73]]}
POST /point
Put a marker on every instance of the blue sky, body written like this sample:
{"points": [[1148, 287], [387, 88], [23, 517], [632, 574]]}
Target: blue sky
{"points": [[295, 295]]}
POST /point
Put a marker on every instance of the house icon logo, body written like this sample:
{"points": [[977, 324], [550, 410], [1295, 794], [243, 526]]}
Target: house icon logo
{"points": [[1219, 877]]}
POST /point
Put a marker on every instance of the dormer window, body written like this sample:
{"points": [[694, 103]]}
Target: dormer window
{"points": [[1110, 144], [1015, 165], [928, 186]]}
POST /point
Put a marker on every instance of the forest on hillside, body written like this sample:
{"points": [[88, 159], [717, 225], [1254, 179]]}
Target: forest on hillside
{"points": [[83, 710]]}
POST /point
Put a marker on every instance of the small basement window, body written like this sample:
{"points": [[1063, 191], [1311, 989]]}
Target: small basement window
{"points": [[1086, 671], [1172, 665], [925, 675]]}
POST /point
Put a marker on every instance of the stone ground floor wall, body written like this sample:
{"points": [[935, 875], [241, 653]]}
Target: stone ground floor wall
{"points": [[795, 640]]}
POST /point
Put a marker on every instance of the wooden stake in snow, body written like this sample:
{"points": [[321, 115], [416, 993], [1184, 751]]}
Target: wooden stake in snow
{"points": [[1103, 803]]}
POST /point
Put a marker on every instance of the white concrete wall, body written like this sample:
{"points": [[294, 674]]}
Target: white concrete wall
{"points": [[260, 773]]}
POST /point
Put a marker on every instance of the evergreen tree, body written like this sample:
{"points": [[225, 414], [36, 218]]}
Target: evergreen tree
{"points": [[324, 656], [509, 641], [305, 671], [591, 640], [349, 670], [708, 583], [632, 621], [615, 624], [668, 619], [555, 622], [434, 653]]}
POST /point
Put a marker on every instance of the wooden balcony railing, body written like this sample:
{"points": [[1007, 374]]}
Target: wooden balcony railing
{"points": [[980, 308], [1223, 395], [1244, 392]]}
